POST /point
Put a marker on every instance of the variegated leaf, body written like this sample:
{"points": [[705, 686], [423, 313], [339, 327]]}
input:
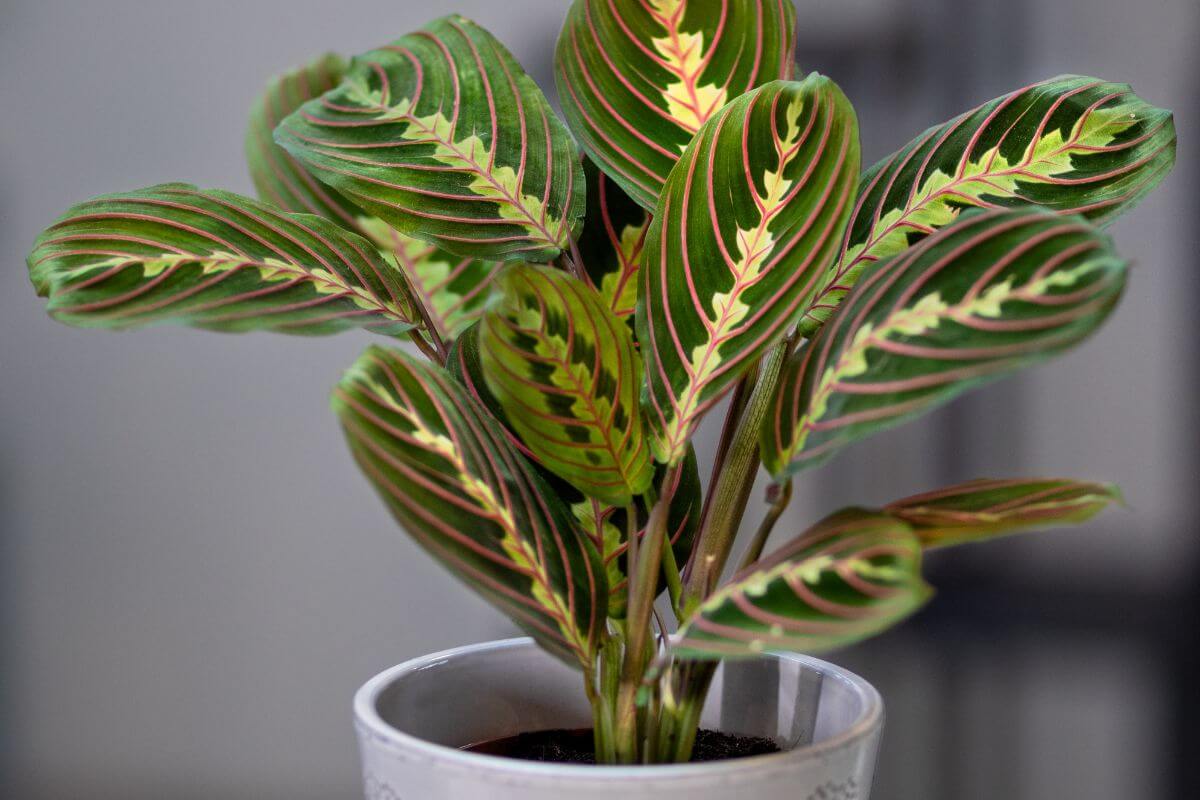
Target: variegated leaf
{"points": [[849, 577], [995, 291], [564, 369], [448, 475], [604, 524], [612, 242], [1074, 144], [278, 178], [444, 137], [451, 288], [212, 259], [985, 509], [638, 78], [749, 222]]}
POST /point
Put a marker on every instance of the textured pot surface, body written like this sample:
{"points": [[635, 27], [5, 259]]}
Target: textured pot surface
{"points": [[412, 719]]}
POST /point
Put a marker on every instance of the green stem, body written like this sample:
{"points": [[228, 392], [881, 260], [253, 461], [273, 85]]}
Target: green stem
{"points": [[644, 566], [732, 489], [733, 415], [694, 686], [779, 497], [425, 348], [604, 699], [674, 581]]}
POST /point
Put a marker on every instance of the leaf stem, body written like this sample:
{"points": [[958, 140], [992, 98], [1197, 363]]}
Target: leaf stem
{"points": [[439, 352], [779, 497], [674, 580], [644, 567], [733, 415], [573, 263], [732, 490], [425, 348]]}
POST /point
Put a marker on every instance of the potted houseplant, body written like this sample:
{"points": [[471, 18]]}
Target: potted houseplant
{"points": [[580, 295]]}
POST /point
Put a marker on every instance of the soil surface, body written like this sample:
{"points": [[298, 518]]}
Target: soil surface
{"points": [[575, 746]]}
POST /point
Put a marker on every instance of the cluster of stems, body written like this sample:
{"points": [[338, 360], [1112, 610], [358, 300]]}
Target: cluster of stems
{"points": [[646, 706]]}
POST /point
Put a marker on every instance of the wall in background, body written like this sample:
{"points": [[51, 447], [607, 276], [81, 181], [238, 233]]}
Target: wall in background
{"points": [[194, 577]]}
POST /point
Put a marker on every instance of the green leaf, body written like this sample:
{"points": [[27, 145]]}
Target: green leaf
{"points": [[604, 524], [612, 242], [451, 288], [985, 509], [444, 137], [564, 369], [451, 479], [638, 79], [851, 576], [212, 259], [989, 294], [749, 222], [1074, 144], [278, 178]]}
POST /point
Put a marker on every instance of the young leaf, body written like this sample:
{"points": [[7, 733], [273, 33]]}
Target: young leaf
{"points": [[985, 509], [444, 137], [564, 369], [212, 259], [613, 242], [451, 288], [604, 524], [638, 79], [451, 479], [1074, 144], [749, 221], [993, 292], [851, 576]]}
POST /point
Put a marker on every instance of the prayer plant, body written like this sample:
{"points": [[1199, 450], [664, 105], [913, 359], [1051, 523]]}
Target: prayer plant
{"points": [[583, 293]]}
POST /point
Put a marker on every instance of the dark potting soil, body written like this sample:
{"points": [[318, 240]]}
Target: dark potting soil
{"points": [[575, 746]]}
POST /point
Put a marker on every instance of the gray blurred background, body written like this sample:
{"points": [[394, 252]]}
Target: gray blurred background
{"points": [[194, 578]]}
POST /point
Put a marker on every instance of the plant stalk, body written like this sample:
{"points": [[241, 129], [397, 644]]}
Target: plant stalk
{"points": [[639, 640], [779, 498], [732, 490], [733, 415]]}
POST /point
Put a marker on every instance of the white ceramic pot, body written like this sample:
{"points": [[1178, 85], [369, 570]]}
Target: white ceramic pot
{"points": [[412, 719]]}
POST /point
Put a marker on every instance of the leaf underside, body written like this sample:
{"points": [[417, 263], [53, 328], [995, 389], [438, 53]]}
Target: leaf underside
{"points": [[637, 79], [748, 224], [443, 136], [987, 508], [451, 479], [1074, 144], [214, 260], [995, 291]]}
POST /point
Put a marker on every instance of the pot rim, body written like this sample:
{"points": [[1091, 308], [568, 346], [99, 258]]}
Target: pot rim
{"points": [[368, 719]]}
